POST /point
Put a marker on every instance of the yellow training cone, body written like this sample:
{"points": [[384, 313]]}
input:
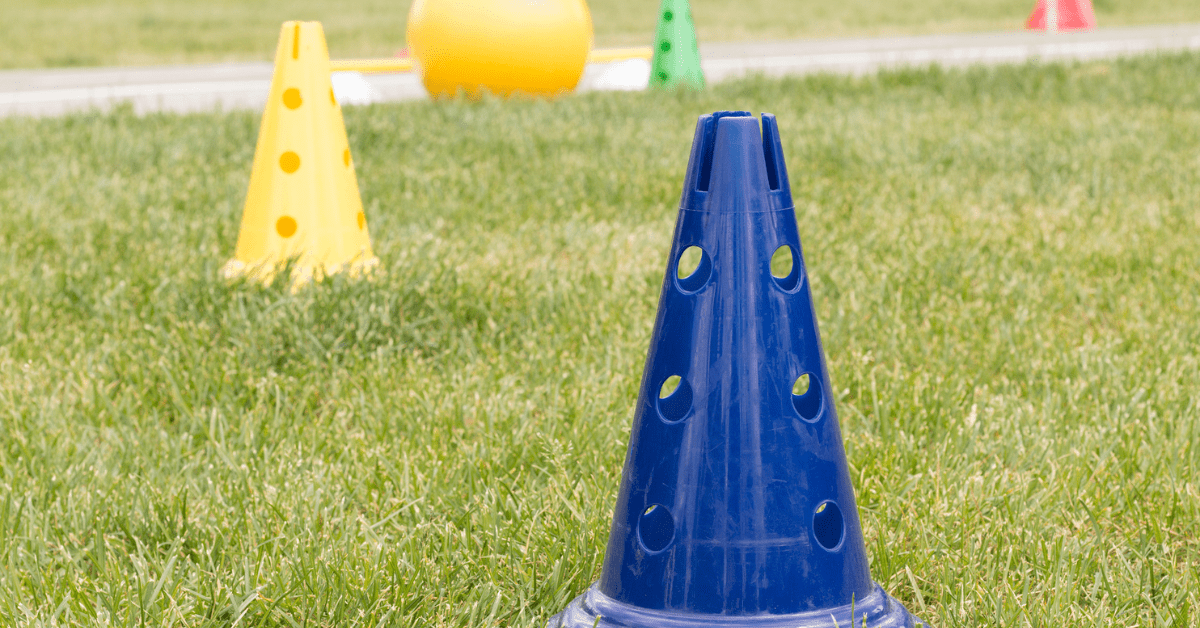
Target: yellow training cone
{"points": [[303, 202]]}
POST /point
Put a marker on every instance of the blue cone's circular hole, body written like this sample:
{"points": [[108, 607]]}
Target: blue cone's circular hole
{"points": [[656, 528], [692, 269], [784, 269], [806, 397], [828, 525], [674, 399]]}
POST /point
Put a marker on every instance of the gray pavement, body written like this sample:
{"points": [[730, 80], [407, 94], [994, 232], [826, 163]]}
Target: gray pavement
{"points": [[855, 56], [245, 85]]}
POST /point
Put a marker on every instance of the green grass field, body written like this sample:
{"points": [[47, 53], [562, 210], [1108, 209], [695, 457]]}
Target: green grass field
{"points": [[1005, 268], [55, 33]]}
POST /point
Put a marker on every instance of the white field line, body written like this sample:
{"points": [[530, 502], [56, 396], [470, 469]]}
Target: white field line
{"points": [[201, 95], [122, 92], [865, 61]]}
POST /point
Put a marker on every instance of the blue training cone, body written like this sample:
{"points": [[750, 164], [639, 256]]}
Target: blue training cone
{"points": [[735, 507]]}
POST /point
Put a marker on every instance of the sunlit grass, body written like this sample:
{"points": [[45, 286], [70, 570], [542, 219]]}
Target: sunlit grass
{"points": [[1005, 270]]}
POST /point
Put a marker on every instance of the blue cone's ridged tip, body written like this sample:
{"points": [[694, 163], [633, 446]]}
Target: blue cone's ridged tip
{"points": [[735, 507]]}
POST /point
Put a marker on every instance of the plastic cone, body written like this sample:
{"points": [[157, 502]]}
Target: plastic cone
{"points": [[303, 204], [735, 507], [1068, 15], [676, 53]]}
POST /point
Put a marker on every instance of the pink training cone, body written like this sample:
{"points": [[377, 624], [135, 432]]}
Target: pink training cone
{"points": [[1062, 15]]}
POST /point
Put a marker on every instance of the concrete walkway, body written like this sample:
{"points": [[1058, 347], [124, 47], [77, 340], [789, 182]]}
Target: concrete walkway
{"points": [[245, 85]]}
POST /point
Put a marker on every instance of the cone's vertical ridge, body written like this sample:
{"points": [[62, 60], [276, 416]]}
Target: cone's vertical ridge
{"points": [[303, 202], [732, 170], [735, 500], [676, 60]]}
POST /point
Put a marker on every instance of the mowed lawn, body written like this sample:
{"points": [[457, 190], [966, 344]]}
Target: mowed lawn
{"points": [[60, 33], [1006, 267]]}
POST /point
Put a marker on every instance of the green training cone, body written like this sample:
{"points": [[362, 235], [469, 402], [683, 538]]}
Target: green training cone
{"points": [[676, 54]]}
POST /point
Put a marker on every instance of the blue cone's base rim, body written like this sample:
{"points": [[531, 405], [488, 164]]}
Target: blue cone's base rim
{"points": [[882, 611]]}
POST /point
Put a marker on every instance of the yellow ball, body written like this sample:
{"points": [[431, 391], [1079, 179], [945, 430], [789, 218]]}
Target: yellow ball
{"points": [[534, 47]]}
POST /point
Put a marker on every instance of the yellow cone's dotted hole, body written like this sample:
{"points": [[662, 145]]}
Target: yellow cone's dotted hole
{"points": [[289, 161], [346, 157], [285, 226], [291, 98], [362, 220], [332, 98]]}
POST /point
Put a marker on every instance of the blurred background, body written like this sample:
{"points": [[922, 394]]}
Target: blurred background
{"points": [[65, 33]]}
